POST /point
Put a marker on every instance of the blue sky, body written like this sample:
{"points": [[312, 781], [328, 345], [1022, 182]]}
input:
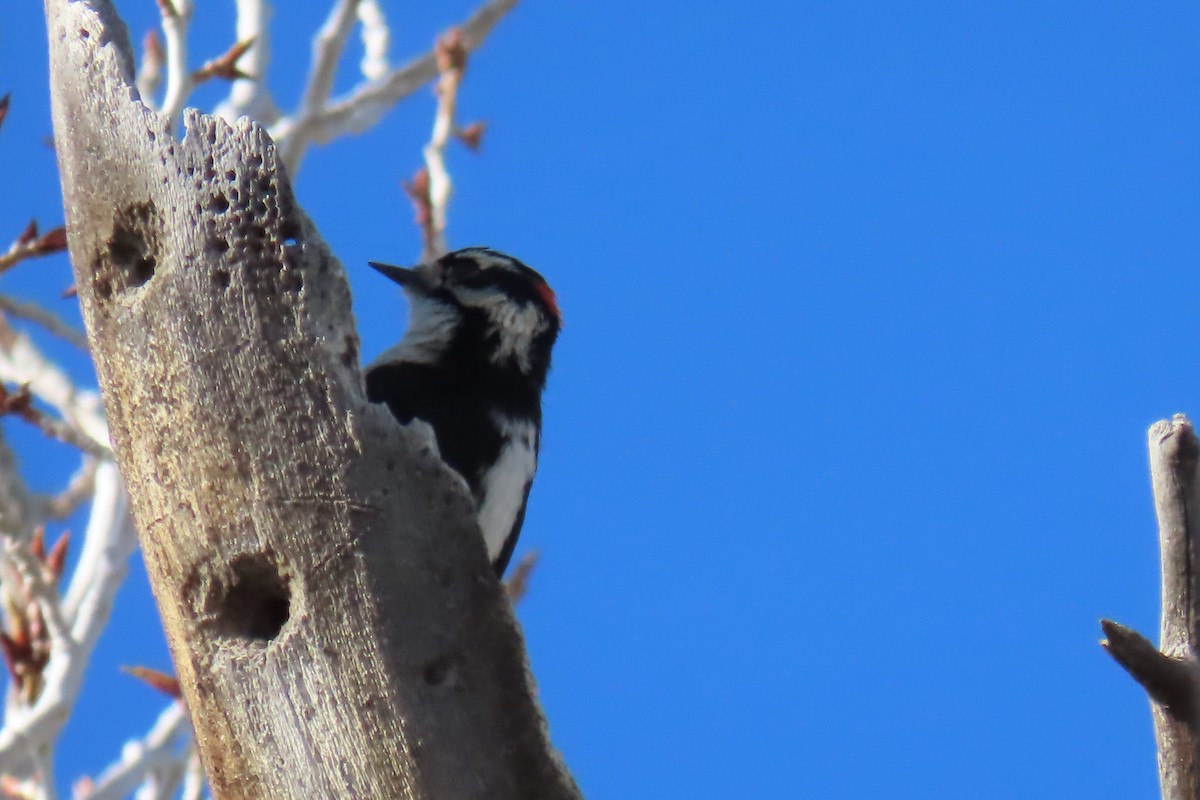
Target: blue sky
{"points": [[868, 308]]}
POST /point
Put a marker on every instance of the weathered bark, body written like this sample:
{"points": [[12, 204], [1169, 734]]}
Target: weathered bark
{"points": [[1169, 673], [326, 596]]}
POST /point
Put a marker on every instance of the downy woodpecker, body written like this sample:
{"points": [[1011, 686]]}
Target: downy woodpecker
{"points": [[472, 364]]}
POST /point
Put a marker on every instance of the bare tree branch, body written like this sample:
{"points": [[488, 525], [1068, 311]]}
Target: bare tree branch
{"points": [[376, 40], [108, 544], [328, 46], [176, 16], [163, 750], [366, 104], [1169, 674], [40, 316], [251, 98]]}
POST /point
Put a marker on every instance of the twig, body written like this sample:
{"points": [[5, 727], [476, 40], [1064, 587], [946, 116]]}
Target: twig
{"points": [[23, 364], [517, 584], [417, 190], [452, 64], [225, 65], [32, 245], [77, 492], [251, 98], [149, 76], [367, 103], [43, 771], [328, 45], [108, 544], [1171, 682], [17, 514], [165, 743], [193, 777], [20, 403], [176, 14], [42, 592], [376, 40], [41, 316]]}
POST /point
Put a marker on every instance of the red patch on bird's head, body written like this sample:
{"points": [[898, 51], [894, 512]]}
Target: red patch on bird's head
{"points": [[549, 298]]}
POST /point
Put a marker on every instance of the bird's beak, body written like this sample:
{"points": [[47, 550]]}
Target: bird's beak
{"points": [[408, 278]]}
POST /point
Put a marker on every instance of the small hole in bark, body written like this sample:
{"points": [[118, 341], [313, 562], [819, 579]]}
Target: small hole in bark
{"points": [[292, 281], [440, 672], [221, 278], [129, 252], [219, 204], [257, 602]]}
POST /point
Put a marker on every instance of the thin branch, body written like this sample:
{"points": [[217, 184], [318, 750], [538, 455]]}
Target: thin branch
{"points": [[517, 584], [20, 403], [32, 245], [165, 743], [327, 48], [17, 513], [43, 770], [193, 777], [109, 541], [39, 315], [42, 592], [452, 64], [225, 65], [23, 364], [376, 40], [251, 98], [1170, 682], [149, 76], [108, 544], [176, 15], [367, 103], [77, 492]]}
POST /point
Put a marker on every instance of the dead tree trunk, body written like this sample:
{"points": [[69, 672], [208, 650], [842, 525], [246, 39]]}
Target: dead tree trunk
{"points": [[328, 603], [1169, 675]]}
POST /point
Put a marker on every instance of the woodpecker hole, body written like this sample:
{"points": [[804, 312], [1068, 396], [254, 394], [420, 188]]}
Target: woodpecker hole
{"points": [[290, 232], [292, 281], [441, 672], [221, 278], [131, 252], [257, 602]]}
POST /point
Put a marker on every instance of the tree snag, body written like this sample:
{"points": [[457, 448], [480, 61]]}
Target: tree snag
{"points": [[1169, 673], [335, 626]]}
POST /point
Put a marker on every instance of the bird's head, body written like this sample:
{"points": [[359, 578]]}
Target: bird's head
{"points": [[480, 300]]}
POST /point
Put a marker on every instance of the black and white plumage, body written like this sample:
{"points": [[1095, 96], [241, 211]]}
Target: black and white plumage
{"points": [[472, 364]]}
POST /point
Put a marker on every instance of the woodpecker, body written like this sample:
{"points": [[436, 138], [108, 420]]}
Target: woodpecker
{"points": [[472, 364]]}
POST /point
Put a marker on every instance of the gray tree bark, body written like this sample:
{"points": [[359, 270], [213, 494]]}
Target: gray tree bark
{"points": [[330, 610], [1169, 673]]}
